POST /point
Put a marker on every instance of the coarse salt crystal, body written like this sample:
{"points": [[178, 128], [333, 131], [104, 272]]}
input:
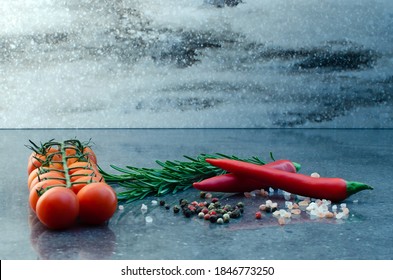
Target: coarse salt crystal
{"points": [[289, 204], [262, 207], [154, 202], [334, 208], [144, 208], [340, 215], [282, 212], [343, 205], [247, 194], [271, 190], [276, 213], [268, 203], [303, 203], [311, 206], [345, 211], [296, 211], [315, 175], [329, 215], [148, 219], [281, 221], [121, 207]]}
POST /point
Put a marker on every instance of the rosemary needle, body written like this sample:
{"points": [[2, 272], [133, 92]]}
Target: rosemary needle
{"points": [[171, 176]]}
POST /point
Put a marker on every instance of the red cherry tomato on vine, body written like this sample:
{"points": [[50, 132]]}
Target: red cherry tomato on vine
{"points": [[33, 196], [58, 208], [97, 203]]}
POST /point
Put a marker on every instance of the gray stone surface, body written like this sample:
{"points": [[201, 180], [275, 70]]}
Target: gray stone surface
{"points": [[361, 155]]}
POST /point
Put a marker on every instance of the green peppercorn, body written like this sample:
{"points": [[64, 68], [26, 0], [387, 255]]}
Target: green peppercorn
{"points": [[226, 218], [240, 204], [211, 206], [235, 214], [201, 215], [183, 202]]}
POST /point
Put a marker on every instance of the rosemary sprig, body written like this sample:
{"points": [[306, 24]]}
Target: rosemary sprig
{"points": [[172, 176]]}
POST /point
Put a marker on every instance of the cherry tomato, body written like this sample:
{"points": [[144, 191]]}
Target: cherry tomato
{"points": [[97, 203], [79, 183], [47, 175], [91, 156], [78, 166], [33, 196], [84, 172], [58, 208], [35, 160]]}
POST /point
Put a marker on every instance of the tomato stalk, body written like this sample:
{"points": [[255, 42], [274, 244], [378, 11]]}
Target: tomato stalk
{"points": [[65, 165]]}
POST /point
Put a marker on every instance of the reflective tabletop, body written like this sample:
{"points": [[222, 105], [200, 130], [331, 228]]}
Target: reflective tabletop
{"points": [[158, 233]]}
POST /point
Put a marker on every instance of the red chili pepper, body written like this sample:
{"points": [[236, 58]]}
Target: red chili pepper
{"points": [[334, 189], [231, 183]]}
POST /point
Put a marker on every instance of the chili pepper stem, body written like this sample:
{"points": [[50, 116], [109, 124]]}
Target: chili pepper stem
{"points": [[297, 166], [354, 187]]}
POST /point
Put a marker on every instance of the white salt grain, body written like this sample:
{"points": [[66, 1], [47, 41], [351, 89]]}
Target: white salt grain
{"points": [[148, 219], [315, 175], [154, 202], [339, 215], [121, 207], [144, 208]]}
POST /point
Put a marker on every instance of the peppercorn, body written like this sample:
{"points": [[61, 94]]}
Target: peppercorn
{"points": [[214, 199], [162, 202], [235, 214], [213, 219], [187, 213], [220, 221], [211, 206], [240, 204], [202, 194], [167, 206], [183, 202], [205, 210], [258, 215], [176, 209], [207, 217], [201, 215], [226, 218]]}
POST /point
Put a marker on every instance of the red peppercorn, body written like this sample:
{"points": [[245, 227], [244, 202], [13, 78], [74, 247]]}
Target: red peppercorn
{"points": [[207, 217], [258, 215]]}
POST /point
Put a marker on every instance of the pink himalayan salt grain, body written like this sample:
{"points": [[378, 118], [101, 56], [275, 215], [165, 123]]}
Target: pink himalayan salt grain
{"points": [[262, 207], [281, 221], [329, 215], [296, 211]]}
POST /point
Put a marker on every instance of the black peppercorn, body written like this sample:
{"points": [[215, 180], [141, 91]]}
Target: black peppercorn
{"points": [[213, 218], [162, 202], [187, 213], [176, 209], [167, 206]]}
